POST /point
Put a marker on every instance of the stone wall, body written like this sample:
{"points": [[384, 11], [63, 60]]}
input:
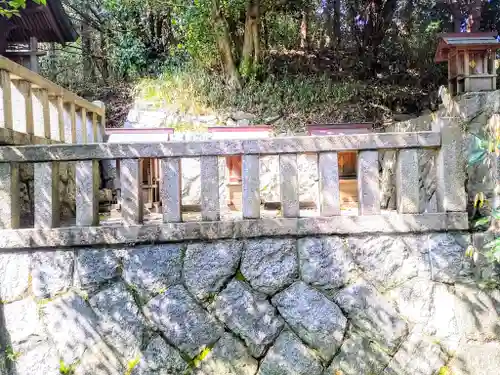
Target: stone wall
{"points": [[399, 304]]}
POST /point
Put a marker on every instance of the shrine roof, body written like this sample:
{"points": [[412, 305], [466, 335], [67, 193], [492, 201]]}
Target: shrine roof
{"points": [[473, 40]]}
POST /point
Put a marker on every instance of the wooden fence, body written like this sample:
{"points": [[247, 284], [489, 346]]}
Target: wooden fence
{"points": [[34, 110]]}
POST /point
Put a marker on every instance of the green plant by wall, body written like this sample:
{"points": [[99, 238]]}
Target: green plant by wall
{"points": [[11, 354], [65, 369]]}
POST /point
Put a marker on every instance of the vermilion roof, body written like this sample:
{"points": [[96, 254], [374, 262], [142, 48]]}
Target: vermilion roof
{"points": [[448, 41]]}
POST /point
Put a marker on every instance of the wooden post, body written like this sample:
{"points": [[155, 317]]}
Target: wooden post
{"points": [[83, 114], [72, 114], [6, 90], [466, 71], [33, 55], [44, 97]]}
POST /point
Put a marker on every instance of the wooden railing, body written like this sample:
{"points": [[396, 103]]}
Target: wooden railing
{"points": [[34, 110], [450, 188]]}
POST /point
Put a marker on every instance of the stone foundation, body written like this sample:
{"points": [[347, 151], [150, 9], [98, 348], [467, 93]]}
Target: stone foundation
{"points": [[390, 304]]}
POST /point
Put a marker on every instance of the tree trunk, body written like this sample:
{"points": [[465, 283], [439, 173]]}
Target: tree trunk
{"points": [[251, 43], [224, 44], [336, 23], [475, 13], [329, 33], [88, 69], [303, 29]]}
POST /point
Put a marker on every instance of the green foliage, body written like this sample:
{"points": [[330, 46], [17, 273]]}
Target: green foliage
{"points": [[9, 8], [200, 357], [239, 276], [65, 369], [11, 354], [132, 364]]}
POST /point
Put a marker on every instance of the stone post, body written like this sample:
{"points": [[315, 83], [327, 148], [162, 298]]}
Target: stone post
{"points": [[46, 194], [329, 184], [368, 183], [289, 185], [210, 203], [170, 190], [87, 193], [251, 187], [450, 167], [407, 182], [9, 196], [132, 206]]}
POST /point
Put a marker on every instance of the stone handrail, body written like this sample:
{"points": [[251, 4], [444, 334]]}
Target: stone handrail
{"points": [[34, 110], [450, 189]]}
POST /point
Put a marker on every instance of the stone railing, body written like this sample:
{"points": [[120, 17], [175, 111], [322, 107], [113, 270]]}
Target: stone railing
{"points": [[34, 110], [131, 229]]}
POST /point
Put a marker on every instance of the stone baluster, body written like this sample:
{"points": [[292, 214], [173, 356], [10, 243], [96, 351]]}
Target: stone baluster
{"points": [[46, 195], [251, 187], [289, 185], [210, 204], [450, 167], [6, 120], [407, 182], [132, 206], [368, 183], [9, 196], [87, 193], [170, 190], [329, 184]]}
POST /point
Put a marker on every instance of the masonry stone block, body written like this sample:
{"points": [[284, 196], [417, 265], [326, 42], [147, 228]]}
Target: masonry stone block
{"points": [[289, 356], [39, 359], [183, 322], [358, 355], [325, 263], [371, 313], [208, 267], [387, 261], [22, 325], [51, 272], [160, 358], [228, 357], [249, 315], [120, 320], [14, 275], [251, 187], [314, 318], [72, 326], [270, 265], [95, 267], [151, 269], [171, 190]]}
